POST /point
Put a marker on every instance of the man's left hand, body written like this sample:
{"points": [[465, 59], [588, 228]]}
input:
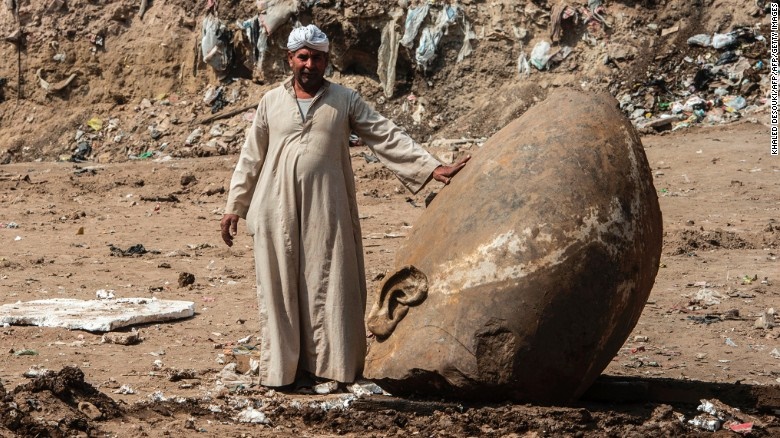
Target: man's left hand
{"points": [[445, 173]]}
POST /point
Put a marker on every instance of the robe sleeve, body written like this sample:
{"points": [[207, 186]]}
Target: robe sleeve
{"points": [[409, 161], [250, 162]]}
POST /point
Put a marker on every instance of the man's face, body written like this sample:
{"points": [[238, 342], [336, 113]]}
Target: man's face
{"points": [[308, 67]]}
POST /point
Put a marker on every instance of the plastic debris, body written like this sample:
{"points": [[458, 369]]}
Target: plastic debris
{"points": [[134, 250], [468, 35], [702, 39], [431, 35], [723, 40], [741, 427], [387, 56], [82, 152], [35, 371], [366, 388], [125, 389], [216, 46], [53, 87], [326, 387], [540, 55], [766, 320], [414, 19], [194, 137], [95, 123], [735, 103], [103, 294], [523, 67], [707, 297], [252, 415], [705, 423], [274, 13]]}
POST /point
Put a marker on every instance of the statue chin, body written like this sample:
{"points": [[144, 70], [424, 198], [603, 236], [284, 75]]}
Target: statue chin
{"points": [[527, 273]]}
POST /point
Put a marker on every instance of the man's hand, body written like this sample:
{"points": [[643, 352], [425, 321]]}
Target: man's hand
{"points": [[229, 226], [445, 173]]}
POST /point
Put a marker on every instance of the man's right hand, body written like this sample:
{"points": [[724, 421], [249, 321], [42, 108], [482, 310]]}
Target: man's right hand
{"points": [[229, 226]]}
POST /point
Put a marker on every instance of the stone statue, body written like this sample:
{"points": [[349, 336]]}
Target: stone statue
{"points": [[525, 276]]}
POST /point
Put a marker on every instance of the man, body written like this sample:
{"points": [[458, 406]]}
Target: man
{"points": [[294, 186]]}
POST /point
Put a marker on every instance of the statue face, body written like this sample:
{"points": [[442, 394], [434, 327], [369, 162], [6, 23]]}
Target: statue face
{"points": [[527, 273]]}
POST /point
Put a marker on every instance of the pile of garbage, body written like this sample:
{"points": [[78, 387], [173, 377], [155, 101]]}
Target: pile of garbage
{"points": [[720, 80]]}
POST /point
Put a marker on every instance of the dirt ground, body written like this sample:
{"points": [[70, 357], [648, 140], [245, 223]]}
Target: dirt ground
{"points": [[720, 195], [129, 91]]}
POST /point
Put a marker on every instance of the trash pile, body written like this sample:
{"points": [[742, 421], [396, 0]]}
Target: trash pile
{"points": [[723, 77], [716, 415], [429, 65]]}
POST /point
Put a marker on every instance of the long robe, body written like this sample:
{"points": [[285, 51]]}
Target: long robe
{"points": [[294, 185]]}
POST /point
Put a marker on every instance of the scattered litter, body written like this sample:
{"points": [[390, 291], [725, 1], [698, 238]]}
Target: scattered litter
{"points": [[231, 379], [722, 41], [216, 46], [766, 320], [25, 352], [125, 389], [35, 371], [705, 423], [134, 250], [252, 415], [730, 343], [103, 294], [706, 297], [744, 428], [157, 396], [540, 55], [194, 137], [59, 86], [326, 387], [95, 123], [82, 152], [414, 18], [366, 388], [702, 39]]}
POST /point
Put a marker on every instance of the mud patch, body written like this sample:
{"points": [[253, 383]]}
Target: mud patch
{"points": [[56, 404], [690, 241]]}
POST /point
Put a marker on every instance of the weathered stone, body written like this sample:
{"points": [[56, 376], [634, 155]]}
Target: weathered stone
{"points": [[526, 274], [94, 315]]}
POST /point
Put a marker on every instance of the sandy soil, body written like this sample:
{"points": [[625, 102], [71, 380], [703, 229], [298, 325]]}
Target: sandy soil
{"points": [[720, 195]]}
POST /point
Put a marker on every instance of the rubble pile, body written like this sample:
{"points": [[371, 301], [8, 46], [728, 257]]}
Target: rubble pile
{"points": [[116, 81], [723, 77]]}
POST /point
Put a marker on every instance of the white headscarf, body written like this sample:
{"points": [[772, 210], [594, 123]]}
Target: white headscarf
{"points": [[310, 36]]}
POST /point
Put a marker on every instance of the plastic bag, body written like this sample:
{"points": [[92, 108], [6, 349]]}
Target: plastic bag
{"points": [[701, 39], [274, 13], [723, 40], [216, 49], [429, 41], [540, 55], [414, 19]]}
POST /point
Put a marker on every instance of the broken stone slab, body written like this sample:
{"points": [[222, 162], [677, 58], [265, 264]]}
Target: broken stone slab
{"points": [[94, 315]]}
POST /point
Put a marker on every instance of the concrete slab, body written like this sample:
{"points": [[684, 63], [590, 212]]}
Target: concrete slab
{"points": [[94, 315]]}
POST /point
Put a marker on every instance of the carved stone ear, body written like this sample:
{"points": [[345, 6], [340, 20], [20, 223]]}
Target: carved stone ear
{"points": [[405, 288]]}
